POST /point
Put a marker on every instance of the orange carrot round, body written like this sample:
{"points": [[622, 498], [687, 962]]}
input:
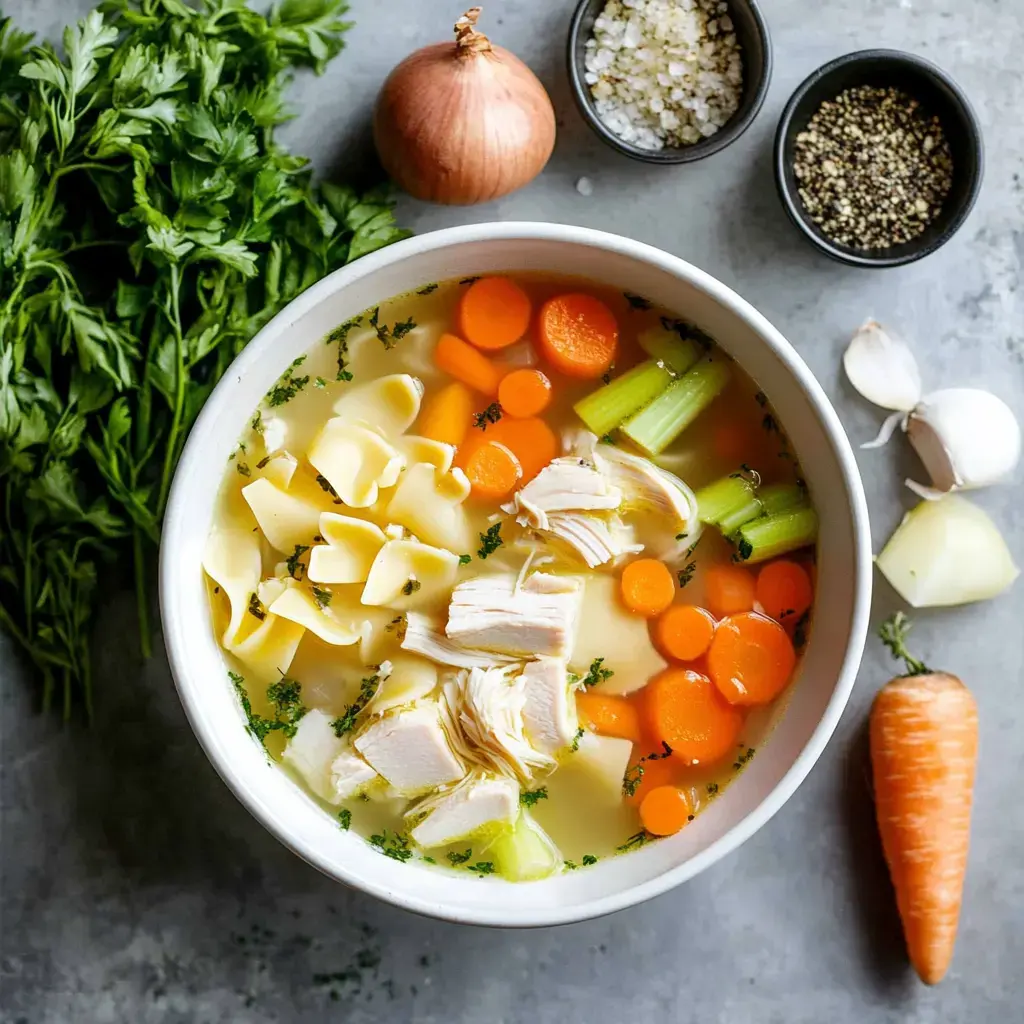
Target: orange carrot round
{"points": [[665, 810], [686, 711], [684, 631], [465, 363], [494, 312], [493, 471], [532, 442], [729, 589], [609, 715], [647, 587], [523, 393], [924, 748], [447, 414], [578, 335], [750, 659], [784, 590], [660, 771]]}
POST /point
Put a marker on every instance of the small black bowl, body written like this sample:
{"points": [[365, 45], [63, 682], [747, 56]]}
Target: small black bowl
{"points": [[938, 95], [755, 46]]}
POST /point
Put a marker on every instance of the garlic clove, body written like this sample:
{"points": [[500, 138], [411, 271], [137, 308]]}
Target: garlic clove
{"points": [[882, 368], [965, 437]]}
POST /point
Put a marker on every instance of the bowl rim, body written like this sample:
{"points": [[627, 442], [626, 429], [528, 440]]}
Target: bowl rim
{"points": [[921, 67], [176, 639], [670, 156]]}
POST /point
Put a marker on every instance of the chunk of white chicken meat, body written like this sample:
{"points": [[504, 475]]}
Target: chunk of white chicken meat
{"points": [[565, 484], [549, 711], [484, 718], [426, 636], [595, 540], [539, 617], [410, 750], [325, 761], [476, 804]]}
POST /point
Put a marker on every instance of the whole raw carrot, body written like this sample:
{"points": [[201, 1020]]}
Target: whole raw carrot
{"points": [[924, 745]]}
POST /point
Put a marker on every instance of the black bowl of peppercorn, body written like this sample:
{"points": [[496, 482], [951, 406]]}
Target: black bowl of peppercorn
{"points": [[878, 158]]}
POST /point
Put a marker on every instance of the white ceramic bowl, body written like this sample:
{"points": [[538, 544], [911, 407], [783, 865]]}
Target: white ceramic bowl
{"points": [[818, 696]]}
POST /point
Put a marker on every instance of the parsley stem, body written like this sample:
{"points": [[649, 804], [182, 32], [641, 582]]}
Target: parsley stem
{"points": [[171, 453], [141, 601]]}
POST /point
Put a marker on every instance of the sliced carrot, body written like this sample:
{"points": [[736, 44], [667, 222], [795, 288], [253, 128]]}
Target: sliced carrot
{"points": [[578, 335], [686, 711], [447, 414], [465, 363], [661, 771], [494, 313], [532, 442], [523, 393], [729, 589], [924, 750], [609, 715], [647, 587], [665, 810], [493, 471], [784, 590], [750, 659], [684, 631]]}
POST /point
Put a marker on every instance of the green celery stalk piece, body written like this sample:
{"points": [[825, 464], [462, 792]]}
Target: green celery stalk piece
{"points": [[781, 498], [655, 427], [742, 514], [604, 409], [677, 353], [724, 497], [771, 536]]}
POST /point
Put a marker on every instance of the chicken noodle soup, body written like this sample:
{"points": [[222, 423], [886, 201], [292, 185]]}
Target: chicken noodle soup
{"points": [[511, 573]]}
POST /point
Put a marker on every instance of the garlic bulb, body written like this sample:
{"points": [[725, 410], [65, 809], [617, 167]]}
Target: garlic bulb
{"points": [[965, 437]]}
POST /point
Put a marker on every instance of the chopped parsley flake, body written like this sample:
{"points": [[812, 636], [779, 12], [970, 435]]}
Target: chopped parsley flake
{"points": [[483, 867], [288, 386], [296, 569], [761, 398], [712, 788], [606, 378], [427, 289], [569, 865], [576, 740], [325, 485], [635, 773], [256, 606], [800, 630], [257, 422], [345, 818], [455, 859], [490, 541], [596, 674], [339, 337], [243, 469], [465, 559], [394, 845], [770, 423], [743, 757], [347, 721], [402, 328], [607, 439], [410, 587], [636, 301], [588, 859], [322, 596], [489, 415], [530, 797], [320, 383], [685, 575], [469, 280], [634, 842], [285, 696]]}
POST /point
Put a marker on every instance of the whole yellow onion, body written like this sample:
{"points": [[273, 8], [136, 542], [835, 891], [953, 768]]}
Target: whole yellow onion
{"points": [[463, 122]]}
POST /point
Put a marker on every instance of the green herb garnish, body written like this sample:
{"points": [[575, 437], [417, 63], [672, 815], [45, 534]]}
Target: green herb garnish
{"points": [[636, 301], [576, 740], [427, 289], [489, 415], [345, 818], [394, 845], [800, 630], [256, 606], [410, 587], [288, 385], [465, 559], [490, 541], [634, 842], [596, 674], [285, 697], [243, 469], [588, 859], [685, 575], [322, 596], [743, 757], [459, 858], [712, 788], [295, 567], [569, 865], [347, 721], [484, 867], [530, 797]]}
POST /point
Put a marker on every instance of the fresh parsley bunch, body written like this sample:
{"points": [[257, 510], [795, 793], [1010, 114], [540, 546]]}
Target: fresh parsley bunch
{"points": [[150, 224]]}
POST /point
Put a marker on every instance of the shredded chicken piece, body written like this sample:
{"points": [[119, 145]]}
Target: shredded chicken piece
{"points": [[426, 636], [593, 539], [566, 484], [463, 809]]}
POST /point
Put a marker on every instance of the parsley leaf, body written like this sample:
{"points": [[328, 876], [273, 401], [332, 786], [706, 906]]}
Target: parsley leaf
{"points": [[489, 415], [345, 819], [484, 867], [490, 541], [346, 722], [394, 845], [296, 569], [685, 575], [530, 797], [285, 697], [596, 674], [322, 596], [288, 385], [459, 858]]}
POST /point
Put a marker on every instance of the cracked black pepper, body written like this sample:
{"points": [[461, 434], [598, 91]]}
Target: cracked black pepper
{"points": [[873, 168]]}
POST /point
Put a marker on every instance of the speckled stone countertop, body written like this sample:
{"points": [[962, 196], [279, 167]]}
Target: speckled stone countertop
{"points": [[135, 888]]}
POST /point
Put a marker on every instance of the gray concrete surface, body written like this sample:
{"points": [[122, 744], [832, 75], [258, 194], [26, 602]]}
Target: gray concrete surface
{"points": [[134, 887]]}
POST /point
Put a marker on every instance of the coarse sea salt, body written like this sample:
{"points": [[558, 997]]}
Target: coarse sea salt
{"points": [[664, 72]]}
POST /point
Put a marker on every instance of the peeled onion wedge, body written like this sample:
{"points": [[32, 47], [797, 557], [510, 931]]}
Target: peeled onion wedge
{"points": [[947, 552]]}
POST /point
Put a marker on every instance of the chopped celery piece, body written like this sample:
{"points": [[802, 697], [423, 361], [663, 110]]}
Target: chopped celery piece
{"points": [[734, 519], [677, 353], [607, 407], [655, 427], [775, 535], [781, 497], [525, 852], [724, 497]]}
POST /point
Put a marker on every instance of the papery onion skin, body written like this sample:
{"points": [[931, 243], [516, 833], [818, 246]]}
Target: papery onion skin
{"points": [[464, 122]]}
